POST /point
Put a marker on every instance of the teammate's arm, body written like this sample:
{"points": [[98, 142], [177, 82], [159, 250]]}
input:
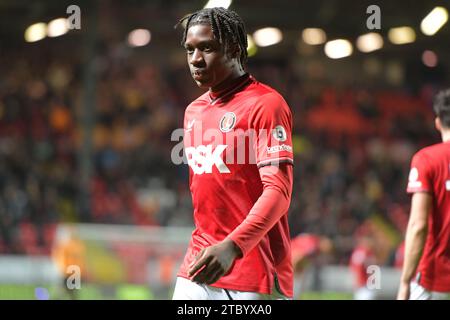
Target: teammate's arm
{"points": [[215, 261], [416, 234]]}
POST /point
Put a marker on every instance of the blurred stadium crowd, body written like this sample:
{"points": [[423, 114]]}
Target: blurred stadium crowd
{"points": [[352, 149]]}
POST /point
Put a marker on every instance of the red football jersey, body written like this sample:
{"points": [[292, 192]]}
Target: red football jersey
{"points": [[224, 158], [430, 172]]}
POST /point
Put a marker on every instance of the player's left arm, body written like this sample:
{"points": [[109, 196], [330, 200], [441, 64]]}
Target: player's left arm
{"points": [[269, 208], [416, 234], [271, 118]]}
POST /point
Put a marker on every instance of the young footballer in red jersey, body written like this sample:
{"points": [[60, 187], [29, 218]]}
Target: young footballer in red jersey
{"points": [[426, 268], [237, 139]]}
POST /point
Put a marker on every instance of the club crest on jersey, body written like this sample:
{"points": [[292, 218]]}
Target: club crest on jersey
{"points": [[227, 122], [279, 133]]}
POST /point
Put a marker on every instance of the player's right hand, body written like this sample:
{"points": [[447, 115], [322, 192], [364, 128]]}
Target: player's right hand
{"points": [[213, 262]]}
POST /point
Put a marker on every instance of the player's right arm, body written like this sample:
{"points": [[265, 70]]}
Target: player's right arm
{"points": [[416, 234]]}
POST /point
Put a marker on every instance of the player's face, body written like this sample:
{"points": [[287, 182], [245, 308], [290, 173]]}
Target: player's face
{"points": [[208, 63]]}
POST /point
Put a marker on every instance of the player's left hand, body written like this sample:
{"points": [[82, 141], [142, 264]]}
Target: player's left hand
{"points": [[213, 262]]}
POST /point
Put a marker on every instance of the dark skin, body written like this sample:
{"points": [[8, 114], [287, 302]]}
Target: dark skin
{"points": [[212, 66], [215, 68]]}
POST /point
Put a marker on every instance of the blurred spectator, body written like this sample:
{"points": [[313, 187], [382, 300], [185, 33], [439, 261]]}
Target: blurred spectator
{"points": [[69, 256], [400, 256]]}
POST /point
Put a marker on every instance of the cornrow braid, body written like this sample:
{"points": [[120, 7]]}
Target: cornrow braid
{"points": [[226, 25]]}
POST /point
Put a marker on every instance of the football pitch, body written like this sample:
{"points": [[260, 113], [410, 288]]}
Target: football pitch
{"points": [[120, 292]]}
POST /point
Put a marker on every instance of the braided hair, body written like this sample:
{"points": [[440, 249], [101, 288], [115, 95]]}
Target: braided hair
{"points": [[227, 26]]}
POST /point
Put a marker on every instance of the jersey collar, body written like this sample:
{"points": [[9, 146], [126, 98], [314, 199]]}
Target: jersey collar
{"points": [[233, 88]]}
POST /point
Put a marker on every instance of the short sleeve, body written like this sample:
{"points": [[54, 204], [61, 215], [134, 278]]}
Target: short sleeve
{"points": [[271, 120], [419, 179]]}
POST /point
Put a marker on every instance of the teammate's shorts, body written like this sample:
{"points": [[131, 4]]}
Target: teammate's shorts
{"points": [[364, 293], [417, 292], [188, 290]]}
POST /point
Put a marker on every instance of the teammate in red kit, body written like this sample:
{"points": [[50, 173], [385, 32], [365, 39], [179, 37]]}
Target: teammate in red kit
{"points": [[237, 141], [427, 241], [363, 256], [306, 248]]}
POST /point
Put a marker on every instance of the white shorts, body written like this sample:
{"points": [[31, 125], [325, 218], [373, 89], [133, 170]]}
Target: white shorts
{"points": [[417, 292], [187, 290], [364, 293]]}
